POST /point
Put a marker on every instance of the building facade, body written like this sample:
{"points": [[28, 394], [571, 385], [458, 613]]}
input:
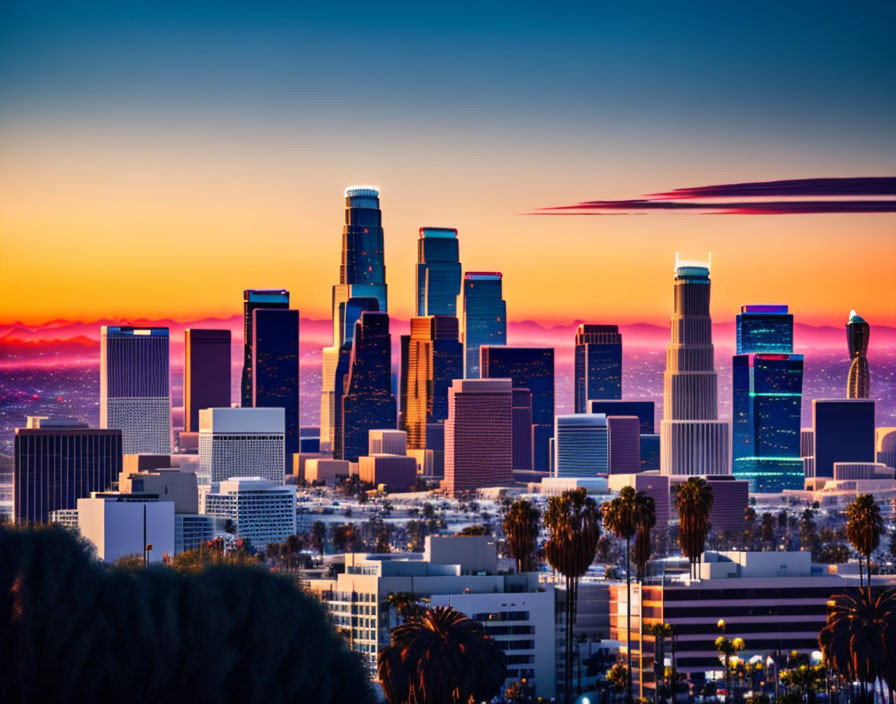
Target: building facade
{"points": [[438, 271], [206, 373], [843, 431], [479, 434], [485, 316], [858, 384], [764, 328], [134, 387], [262, 511], [581, 445], [254, 299], [598, 364], [624, 444], [241, 442], [58, 461]]}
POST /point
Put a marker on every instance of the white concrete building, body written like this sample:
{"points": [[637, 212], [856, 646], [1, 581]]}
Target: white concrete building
{"points": [[242, 442], [262, 511], [122, 524], [453, 571]]}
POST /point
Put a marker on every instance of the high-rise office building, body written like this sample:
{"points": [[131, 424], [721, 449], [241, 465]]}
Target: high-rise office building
{"points": [[58, 461], [362, 274], [529, 368], [352, 311], [134, 387], [581, 445], [438, 271], [644, 410], [764, 328], [434, 359], [275, 369], [692, 439], [241, 442], [478, 434], [368, 402], [843, 432], [252, 300], [767, 383], [522, 429], [598, 364], [624, 444], [206, 373], [857, 333], [485, 317]]}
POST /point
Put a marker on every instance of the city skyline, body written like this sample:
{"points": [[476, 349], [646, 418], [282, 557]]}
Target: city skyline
{"points": [[140, 135]]}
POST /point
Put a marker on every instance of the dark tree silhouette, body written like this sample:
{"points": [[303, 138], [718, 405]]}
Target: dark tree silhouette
{"points": [[441, 657], [521, 526], [228, 633], [694, 504], [864, 526]]}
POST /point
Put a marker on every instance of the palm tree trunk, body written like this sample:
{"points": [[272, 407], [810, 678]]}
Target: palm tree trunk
{"points": [[628, 619]]}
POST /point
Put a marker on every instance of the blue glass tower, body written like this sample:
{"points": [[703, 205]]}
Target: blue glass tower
{"points": [[764, 328], [529, 368], [253, 299], [485, 317], [275, 368], [438, 271], [368, 403], [363, 255], [598, 364], [767, 385]]}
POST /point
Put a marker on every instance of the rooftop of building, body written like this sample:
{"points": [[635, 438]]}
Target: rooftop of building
{"points": [[438, 233], [594, 420], [855, 317], [368, 191], [765, 308]]}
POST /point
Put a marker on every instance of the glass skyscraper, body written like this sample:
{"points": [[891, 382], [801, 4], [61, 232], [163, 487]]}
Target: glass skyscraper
{"points": [[206, 373], [134, 387], [362, 274], [253, 299], [275, 369], [438, 271], [858, 331], [485, 317], [764, 328], [434, 358], [529, 368], [767, 387], [598, 364], [368, 403]]}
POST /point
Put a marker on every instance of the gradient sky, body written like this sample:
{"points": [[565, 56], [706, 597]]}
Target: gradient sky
{"points": [[156, 158]]}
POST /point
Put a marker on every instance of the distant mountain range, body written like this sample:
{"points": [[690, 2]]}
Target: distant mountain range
{"points": [[66, 340]]}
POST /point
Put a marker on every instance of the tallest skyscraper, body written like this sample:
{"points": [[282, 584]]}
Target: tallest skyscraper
{"points": [[692, 439], [362, 273]]}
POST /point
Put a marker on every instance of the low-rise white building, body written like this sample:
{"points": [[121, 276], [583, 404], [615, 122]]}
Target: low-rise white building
{"points": [[242, 442], [454, 571], [261, 511], [126, 524]]}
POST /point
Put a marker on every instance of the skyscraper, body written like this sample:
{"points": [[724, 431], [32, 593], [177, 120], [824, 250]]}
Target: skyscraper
{"points": [[275, 369], [434, 359], [624, 447], [134, 387], [352, 311], [57, 462], [581, 445], [485, 317], [478, 434], [693, 441], [362, 273], [253, 299], [857, 333], [529, 368], [438, 271], [766, 388], [598, 364], [241, 442], [206, 373], [522, 429], [368, 403], [843, 432], [764, 328]]}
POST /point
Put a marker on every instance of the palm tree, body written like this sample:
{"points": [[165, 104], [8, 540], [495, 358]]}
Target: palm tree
{"points": [[694, 504], [864, 525], [318, 536], [629, 514], [573, 520], [521, 524], [858, 639], [440, 657], [660, 632]]}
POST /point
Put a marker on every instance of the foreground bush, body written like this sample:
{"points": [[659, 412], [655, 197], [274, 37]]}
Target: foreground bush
{"points": [[73, 630]]}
